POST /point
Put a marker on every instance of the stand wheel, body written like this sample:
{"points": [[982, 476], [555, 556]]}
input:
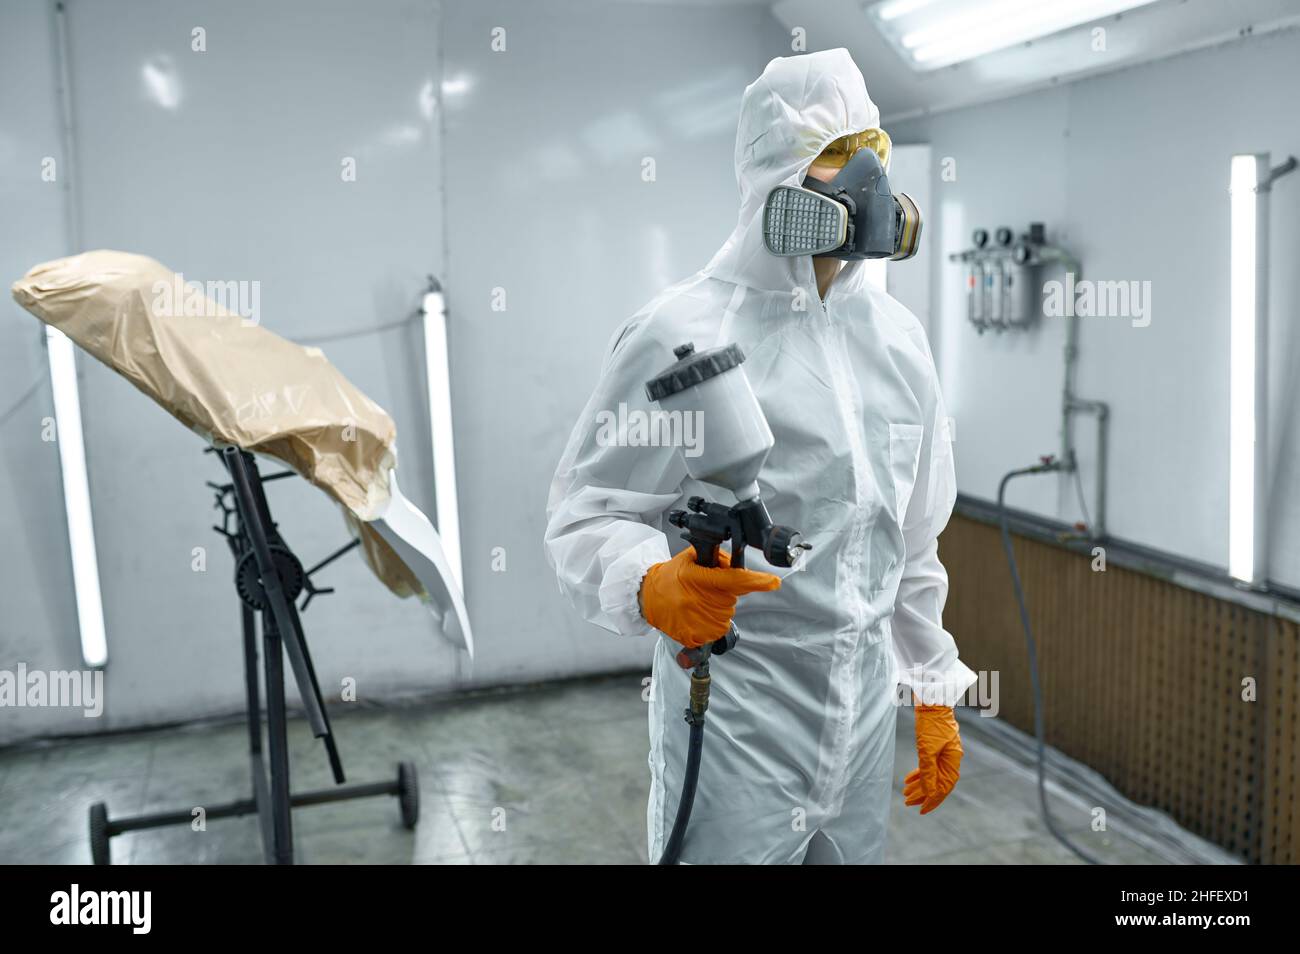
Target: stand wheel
{"points": [[99, 854], [408, 793]]}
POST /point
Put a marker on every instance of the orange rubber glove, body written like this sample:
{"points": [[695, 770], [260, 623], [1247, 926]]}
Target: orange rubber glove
{"points": [[938, 748], [694, 604]]}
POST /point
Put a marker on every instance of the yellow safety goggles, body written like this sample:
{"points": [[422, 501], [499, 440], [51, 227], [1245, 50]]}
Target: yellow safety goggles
{"points": [[839, 152]]}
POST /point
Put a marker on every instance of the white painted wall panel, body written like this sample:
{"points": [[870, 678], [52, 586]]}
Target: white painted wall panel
{"points": [[1129, 171]]}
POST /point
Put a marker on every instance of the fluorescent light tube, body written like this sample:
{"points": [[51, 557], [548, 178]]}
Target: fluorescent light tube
{"points": [[898, 8], [1247, 434], [437, 371], [929, 34], [76, 497]]}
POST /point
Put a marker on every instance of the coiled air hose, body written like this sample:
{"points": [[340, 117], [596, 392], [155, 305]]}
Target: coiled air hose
{"points": [[1031, 647]]}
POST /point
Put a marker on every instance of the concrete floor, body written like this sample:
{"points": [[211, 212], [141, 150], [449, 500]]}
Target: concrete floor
{"points": [[571, 792]]}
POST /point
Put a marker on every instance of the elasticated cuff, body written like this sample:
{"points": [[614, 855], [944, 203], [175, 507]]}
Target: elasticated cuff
{"points": [[621, 586], [946, 688]]}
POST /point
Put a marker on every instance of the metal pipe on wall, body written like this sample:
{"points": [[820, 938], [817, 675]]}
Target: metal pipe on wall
{"points": [[1072, 404]]}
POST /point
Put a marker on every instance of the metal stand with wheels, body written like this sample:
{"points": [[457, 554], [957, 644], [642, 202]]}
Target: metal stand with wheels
{"points": [[269, 578]]}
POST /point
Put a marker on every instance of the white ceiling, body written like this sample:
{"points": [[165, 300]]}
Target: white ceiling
{"points": [[1148, 33]]}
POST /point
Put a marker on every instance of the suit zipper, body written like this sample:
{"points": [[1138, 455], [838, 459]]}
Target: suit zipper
{"points": [[842, 655]]}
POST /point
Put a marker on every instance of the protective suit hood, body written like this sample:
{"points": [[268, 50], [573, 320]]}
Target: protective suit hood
{"points": [[797, 107]]}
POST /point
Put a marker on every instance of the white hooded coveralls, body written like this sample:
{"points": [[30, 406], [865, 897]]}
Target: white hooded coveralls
{"points": [[800, 729]]}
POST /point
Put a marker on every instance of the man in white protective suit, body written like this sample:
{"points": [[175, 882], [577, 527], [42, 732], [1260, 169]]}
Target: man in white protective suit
{"points": [[798, 757]]}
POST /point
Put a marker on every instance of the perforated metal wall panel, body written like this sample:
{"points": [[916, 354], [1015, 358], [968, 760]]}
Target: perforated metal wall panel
{"points": [[1144, 680]]}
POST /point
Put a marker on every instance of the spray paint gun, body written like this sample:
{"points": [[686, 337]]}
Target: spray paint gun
{"points": [[736, 441], [707, 525]]}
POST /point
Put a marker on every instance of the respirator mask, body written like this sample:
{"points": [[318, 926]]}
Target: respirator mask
{"points": [[852, 217]]}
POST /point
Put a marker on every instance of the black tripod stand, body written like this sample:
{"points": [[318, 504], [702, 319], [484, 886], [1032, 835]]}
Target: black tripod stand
{"points": [[269, 578]]}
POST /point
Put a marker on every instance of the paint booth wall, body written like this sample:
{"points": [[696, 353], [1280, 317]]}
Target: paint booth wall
{"points": [[1129, 171], [515, 175]]}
